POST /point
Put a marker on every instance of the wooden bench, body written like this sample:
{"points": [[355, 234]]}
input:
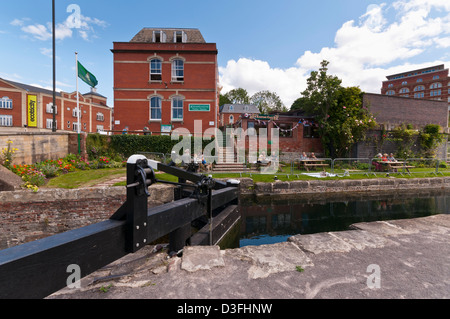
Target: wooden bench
{"points": [[307, 166]]}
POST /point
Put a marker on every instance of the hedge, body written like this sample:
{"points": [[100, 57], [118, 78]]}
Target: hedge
{"points": [[127, 145]]}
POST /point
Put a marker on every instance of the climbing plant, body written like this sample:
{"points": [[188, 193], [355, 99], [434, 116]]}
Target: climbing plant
{"points": [[430, 138]]}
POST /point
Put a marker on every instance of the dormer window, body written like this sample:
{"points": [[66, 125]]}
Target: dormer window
{"points": [[179, 37], [159, 37]]}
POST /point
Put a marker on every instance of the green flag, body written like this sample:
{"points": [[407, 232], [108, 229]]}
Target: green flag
{"points": [[86, 76]]}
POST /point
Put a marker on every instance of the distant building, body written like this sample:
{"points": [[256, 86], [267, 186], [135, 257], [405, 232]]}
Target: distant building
{"points": [[298, 132], [431, 83], [165, 78], [232, 113], [23, 105], [392, 111]]}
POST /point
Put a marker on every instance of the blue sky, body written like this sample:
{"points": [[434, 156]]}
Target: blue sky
{"points": [[263, 45]]}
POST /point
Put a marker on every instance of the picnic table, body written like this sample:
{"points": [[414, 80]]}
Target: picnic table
{"points": [[312, 163], [390, 166], [395, 166]]}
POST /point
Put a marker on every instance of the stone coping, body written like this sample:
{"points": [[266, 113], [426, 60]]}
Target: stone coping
{"points": [[247, 187]]}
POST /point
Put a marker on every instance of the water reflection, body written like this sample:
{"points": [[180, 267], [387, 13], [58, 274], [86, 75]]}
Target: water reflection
{"points": [[271, 220]]}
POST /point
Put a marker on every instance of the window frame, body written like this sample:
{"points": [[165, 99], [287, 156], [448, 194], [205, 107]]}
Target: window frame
{"points": [[6, 103], [176, 69], [435, 85], [158, 76], [100, 117], [6, 120], [435, 92], [157, 107], [288, 127], [178, 108], [49, 124]]}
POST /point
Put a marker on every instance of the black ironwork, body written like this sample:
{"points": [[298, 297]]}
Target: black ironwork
{"points": [[37, 269]]}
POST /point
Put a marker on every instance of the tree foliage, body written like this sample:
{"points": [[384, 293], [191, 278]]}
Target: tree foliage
{"points": [[236, 96], [267, 101], [339, 111]]}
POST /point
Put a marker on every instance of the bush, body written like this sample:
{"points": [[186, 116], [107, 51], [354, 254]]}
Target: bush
{"points": [[49, 170], [118, 147]]}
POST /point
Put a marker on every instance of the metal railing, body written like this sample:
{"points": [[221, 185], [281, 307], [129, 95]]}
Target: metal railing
{"points": [[342, 167]]}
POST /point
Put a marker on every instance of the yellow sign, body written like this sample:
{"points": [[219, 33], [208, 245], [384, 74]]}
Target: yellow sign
{"points": [[32, 111]]}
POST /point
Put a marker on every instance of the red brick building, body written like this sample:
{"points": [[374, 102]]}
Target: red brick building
{"points": [[230, 114], [431, 83], [297, 132], [23, 105], [165, 79]]}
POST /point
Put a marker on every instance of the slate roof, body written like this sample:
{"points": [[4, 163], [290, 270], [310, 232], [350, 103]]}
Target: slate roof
{"points": [[146, 35], [239, 108], [30, 88], [35, 89]]}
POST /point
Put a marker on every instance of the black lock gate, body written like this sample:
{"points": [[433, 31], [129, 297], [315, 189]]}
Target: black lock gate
{"points": [[40, 268]]}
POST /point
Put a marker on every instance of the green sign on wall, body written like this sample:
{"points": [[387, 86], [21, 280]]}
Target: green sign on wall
{"points": [[199, 107]]}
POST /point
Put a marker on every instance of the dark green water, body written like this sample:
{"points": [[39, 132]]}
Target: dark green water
{"points": [[272, 220]]}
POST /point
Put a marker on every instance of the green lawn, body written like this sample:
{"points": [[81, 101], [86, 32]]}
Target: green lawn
{"points": [[91, 178], [85, 178]]}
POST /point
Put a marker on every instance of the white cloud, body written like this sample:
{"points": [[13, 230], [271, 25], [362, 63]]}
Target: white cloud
{"points": [[63, 30], [363, 53], [38, 31]]}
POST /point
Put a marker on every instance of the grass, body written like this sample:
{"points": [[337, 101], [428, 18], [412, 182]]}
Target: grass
{"points": [[91, 178], [87, 178]]}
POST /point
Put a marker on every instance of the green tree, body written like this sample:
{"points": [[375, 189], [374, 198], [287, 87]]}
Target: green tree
{"points": [[237, 96], [223, 99], [300, 104], [339, 111], [267, 101], [321, 92]]}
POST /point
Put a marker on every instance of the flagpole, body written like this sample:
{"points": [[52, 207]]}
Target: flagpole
{"points": [[54, 68], [78, 105]]}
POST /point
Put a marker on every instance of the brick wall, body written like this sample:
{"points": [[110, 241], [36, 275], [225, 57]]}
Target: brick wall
{"points": [[27, 216], [133, 88], [392, 111]]}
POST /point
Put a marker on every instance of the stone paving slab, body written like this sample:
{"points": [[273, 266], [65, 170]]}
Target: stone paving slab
{"points": [[342, 241], [381, 227], [320, 243], [201, 258], [269, 259], [434, 224], [412, 264]]}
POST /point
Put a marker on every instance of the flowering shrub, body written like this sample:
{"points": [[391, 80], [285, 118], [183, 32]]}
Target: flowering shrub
{"points": [[35, 175], [8, 155]]}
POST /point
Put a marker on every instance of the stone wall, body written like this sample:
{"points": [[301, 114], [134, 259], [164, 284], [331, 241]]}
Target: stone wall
{"points": [[317, 187], [35, 147], [26, 216]]}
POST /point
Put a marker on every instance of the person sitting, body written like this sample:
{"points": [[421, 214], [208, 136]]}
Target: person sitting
{"points": [[391, 158], [186, 158], [313, 156], [303, 156], [384, 158], [376, 162], [262, 158]]}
